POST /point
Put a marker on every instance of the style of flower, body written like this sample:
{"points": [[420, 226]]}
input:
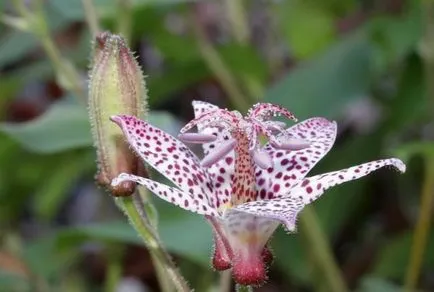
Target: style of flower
{"points": [[244, 189]]}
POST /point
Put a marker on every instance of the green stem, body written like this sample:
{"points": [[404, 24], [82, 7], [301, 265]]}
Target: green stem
{"points": [[148, 214], [427, 51], [238, 20], [219, 68], [91, 17], [147, 233], [321, 251], [66, 73], [240, 30], [124, 18], [422, 226], [114, 269], [242, 288]]}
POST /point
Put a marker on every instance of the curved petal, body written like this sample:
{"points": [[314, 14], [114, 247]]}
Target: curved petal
{"points": [[311, 188], [167, 155], [290, 166], [222, 170], [283, 210], [169, 194]]}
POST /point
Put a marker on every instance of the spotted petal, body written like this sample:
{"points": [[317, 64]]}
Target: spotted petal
{"points": [[223, 169], [311, 188], [167, 155], [290, 166], [170, 194], [285, 209]]}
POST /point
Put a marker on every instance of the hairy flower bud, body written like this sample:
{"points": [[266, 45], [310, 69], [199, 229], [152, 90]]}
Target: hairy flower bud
{"points": [[116, 86]]}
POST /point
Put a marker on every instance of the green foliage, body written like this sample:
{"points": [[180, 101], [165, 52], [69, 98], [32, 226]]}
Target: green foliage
{"points": [[45, 159], [323, 86], [308, 28]]}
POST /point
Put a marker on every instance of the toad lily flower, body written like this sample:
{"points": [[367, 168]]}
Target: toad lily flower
{"points": [[244, 189]]}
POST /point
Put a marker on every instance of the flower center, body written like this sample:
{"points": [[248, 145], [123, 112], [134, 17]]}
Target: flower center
{"points": [[244, 141]]}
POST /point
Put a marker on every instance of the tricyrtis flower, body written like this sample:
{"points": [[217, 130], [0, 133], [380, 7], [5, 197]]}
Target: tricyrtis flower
{"points": [[244, 189]]}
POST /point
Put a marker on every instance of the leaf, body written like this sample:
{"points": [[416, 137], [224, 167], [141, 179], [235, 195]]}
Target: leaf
{"points": [[183, 233], [308, 28], [408, 104], [407, 151], [63, 127], [13, 282], [55, 187], [394, 37], [393, 257], [73, 9], [324, 85], [15, 45], [179, 76], [370, 284]]}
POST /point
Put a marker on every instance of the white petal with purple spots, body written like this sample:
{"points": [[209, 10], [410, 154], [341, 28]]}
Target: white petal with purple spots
{"points": [[170, 194], [292, 166]]}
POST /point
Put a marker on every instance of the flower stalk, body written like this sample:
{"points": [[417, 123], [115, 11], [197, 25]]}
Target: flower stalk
{"points": [[34, 21], [426, 51], [219, 68], [124, 18], [91, 17], [242, 288], [152, 242]]}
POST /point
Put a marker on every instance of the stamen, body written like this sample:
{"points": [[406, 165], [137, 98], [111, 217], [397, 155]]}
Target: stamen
{"points": [[219, 153], [196, 138], [275, 125], [262, 159], [218, 116], [264, 111], [291, 144]]}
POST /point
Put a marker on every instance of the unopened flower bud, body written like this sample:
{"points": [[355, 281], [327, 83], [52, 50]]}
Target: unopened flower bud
{"points": [[116, 86]]}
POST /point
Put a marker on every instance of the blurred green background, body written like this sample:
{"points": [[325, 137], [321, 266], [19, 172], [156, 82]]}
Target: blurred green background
{"points": [[369, 64]]}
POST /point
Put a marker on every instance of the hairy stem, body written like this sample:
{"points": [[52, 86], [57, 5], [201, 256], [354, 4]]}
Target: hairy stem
{"points": [[148, 213], [422, 226], [321, 252], [152, 242], [242, 288]]}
